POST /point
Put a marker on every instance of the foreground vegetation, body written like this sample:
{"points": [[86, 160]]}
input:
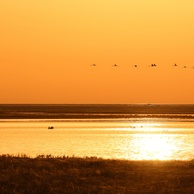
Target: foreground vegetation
{"points": [[47, 174]]}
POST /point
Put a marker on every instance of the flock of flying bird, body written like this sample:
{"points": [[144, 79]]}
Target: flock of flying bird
{"points": [[151, 65]]}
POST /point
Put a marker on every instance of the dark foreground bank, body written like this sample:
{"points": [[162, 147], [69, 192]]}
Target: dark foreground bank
{"points": [[93, 175]]}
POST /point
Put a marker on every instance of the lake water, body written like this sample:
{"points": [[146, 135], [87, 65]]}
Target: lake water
{"points": [[139, 136]]}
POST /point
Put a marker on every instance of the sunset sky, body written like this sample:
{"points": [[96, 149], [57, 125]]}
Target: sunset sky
{"points": [[47, 48]]}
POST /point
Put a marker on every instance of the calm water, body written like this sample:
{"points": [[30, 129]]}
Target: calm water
{"points": [[131, 134]]}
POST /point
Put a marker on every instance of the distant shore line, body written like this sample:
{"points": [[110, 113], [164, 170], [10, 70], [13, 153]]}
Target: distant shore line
{"points": [[93, 116], [98, 111]]}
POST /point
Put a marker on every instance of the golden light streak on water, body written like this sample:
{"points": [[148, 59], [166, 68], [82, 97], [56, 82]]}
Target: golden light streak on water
{"points": [[154, 147], [147, 126], [106, 139], [152, 142]]}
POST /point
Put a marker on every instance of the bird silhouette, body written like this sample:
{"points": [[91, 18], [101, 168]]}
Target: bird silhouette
{"points": [[153, 65]]}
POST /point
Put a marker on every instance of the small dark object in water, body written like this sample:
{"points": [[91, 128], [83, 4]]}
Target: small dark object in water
{"points": [[50, 127]]}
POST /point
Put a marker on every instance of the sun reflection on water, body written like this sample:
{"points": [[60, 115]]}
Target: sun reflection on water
{"points": [[153, 143], [121, 140], [154, 146]]}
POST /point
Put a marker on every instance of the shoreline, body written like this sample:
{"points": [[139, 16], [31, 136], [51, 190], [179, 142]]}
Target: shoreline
{"points": [[47, 174], [96, 116], [22, 111]]}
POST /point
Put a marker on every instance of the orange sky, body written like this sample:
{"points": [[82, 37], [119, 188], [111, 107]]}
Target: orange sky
{"points": [[47, 47]]}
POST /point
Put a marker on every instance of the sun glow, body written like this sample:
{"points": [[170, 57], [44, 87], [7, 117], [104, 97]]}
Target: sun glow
{"points": [[154, 147], [152, 142]]}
